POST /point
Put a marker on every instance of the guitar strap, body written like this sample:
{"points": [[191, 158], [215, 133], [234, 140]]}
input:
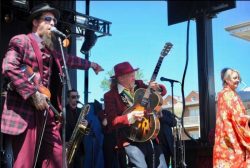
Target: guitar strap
{"points": [[125, 99], [37, 53]]}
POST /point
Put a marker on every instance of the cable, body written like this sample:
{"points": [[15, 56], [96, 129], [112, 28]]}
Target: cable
{"points": [[183, 82]]}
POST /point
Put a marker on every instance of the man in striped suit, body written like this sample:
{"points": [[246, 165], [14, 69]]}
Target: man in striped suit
{"points": [[25, 106]]}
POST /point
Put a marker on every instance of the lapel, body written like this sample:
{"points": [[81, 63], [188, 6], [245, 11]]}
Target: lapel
{"points": [[37, 53]]}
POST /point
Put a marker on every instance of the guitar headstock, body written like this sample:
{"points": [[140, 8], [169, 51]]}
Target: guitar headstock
{"points": [[166, 49]]}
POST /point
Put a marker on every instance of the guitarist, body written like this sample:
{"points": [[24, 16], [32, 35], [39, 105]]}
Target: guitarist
{"points": [[116, 101]]}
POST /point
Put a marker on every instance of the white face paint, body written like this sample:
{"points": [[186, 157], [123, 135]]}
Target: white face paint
{"points": [[233, 81]]}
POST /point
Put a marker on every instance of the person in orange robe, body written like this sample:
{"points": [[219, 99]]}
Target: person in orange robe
{"points": [[232, 133]]}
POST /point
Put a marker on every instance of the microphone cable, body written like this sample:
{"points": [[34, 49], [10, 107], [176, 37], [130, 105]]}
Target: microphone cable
{"points": [[183, 82]]}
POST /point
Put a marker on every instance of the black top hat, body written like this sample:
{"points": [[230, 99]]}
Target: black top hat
{"points": [[39, 9]]}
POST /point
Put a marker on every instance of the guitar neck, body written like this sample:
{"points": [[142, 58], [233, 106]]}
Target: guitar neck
{"points": [[164, 52], [157, 68], [153, 78]]}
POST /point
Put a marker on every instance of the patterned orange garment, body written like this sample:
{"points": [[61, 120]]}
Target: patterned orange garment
{"points": [[232, 134]]}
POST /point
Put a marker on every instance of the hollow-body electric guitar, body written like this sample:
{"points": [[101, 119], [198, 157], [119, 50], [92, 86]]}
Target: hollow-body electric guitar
{"points": [[150, 102]]}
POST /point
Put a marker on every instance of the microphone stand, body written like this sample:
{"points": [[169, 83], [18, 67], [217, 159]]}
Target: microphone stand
{"points": [[172, 103], [64, 79], [178, 146]]}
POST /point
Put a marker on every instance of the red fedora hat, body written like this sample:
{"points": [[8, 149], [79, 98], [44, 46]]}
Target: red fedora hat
{"points": [[122, 69]]}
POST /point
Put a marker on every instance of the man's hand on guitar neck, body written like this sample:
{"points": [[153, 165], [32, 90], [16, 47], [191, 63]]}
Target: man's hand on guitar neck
{"points": [[133, 116], [155, 86]]}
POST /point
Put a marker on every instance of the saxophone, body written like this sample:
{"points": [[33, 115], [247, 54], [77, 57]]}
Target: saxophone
{"points": [[76, 137]]}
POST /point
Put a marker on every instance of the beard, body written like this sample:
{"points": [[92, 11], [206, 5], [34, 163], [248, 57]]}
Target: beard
{"points": [[49, 40]]}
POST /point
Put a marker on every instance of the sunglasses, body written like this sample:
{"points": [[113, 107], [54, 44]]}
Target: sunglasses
{"points": [[49, 18], [75, 97]]}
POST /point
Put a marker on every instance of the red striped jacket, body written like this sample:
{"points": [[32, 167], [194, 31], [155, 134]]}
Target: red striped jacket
{"points": [[17, 109]]}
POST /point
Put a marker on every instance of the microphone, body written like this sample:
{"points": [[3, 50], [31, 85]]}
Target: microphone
{"points": [[56, 31], [79, 102], [169, 80]]}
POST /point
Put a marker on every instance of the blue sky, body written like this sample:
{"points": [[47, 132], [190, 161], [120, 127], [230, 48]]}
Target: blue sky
{"points": [[139, 31]]}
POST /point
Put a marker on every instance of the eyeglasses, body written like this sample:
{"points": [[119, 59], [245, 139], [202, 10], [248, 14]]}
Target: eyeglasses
{"points": [[74, 96], [49, 18]]}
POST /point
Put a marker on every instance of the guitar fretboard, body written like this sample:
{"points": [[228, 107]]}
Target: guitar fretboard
{"points": [[164, 52]]}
